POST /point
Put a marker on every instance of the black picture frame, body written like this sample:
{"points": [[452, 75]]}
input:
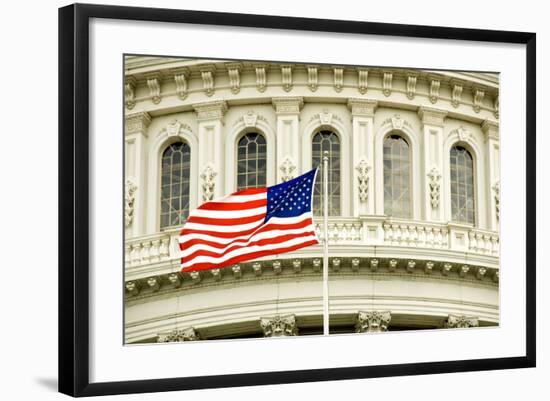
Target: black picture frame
{"points": [[74, 201]]}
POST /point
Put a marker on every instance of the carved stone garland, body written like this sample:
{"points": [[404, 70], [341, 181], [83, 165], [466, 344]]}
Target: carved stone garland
{"points": [[129, 197], [208, 176], [372, 322], [496, 189], [288, 168], [363, 177], [176, 336], [434, 177], [279, 326]]}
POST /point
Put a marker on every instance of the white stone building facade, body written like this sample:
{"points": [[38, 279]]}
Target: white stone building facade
{"points": [[413, 231]]}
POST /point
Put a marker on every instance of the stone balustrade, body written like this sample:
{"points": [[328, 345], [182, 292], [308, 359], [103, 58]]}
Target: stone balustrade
{"points": [[342, 231]]}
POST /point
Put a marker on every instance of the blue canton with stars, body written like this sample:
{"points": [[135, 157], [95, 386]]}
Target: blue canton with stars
{"points": [[291, 198]]}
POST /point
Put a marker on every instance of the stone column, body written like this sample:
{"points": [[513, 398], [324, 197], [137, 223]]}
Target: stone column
{"points": [[176, 336], [461, 322], [135, 135], [372, 322], [490, 129], [288, 136], [432, 163], [279, 326], [211, 149], [362, 144]]}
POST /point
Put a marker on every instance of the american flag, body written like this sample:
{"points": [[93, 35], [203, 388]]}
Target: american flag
{"points": [[249, 224]]}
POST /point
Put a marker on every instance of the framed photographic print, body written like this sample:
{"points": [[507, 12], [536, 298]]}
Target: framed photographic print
{"points": [[249, 199]]}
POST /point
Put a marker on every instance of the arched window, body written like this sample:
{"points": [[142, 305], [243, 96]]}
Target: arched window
{"points": [[397, 177], [251, 161], [462, 185], [175, 185], [326, 141]]}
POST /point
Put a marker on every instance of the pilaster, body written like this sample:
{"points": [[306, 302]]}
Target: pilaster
{"points": [[362, 144], [432, 164], [135, 135], [210, 119], [492, 169], [288, 134]]}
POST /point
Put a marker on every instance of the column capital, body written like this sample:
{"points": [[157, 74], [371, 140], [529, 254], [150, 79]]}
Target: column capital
{"points": [[210, 110], [362, 107], [288, 105], [372, 321], [279, 326], [188, 334], [490, 129], [137, 123], [432, 116], [461, 321]]}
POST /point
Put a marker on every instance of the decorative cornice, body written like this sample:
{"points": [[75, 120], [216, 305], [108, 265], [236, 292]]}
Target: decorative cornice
{"points": [[432, 116], [137, 123], [210, 110], [362, 107], [288, 105]]}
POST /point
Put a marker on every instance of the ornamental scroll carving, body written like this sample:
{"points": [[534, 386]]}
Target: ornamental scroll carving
{"points": [[176, 336], [434, 177], [175, 128], [372, 322], [129, 197], [363, 169], [209, 181], [279, 326], [287, 168]]}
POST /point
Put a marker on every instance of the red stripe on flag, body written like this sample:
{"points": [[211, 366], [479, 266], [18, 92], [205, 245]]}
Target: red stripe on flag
{"points": [[225, 222], [259, 229], [264, 241], [233, 205], [248, 256]]}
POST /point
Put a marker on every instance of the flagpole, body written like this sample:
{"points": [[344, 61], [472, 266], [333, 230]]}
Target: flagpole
{"points": [[325, 250]]}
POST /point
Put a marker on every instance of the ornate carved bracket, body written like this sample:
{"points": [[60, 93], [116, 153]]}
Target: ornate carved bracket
{"points": [[279, 326], [153, 83], [456, 95], [362, 81], [479, 94], [234, 77], [411, 86], [434, 90], [372, 322], [180, 78], [207, 76], [286, 72], [261, 78], [387, 83], [129, 92], [338, 79], [312, 78]]}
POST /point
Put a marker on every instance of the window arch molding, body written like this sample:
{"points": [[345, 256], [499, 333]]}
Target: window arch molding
{"points": [[409, 136], [312, 128], [170, 134], [239, 130], [471, 145]]}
